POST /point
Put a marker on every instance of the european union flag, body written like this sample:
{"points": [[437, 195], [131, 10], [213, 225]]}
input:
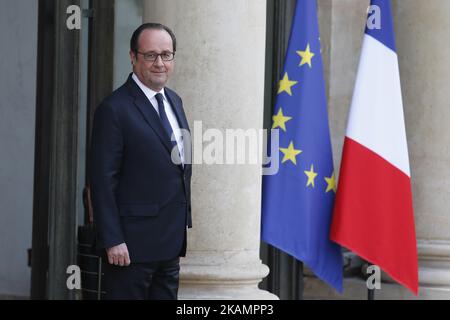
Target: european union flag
{"points": [[298, 200]]}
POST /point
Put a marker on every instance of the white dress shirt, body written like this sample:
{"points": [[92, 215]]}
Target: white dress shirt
{"points": [[150, 94]]}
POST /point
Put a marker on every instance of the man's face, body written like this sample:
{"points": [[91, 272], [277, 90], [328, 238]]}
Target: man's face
{"points": [[153, 74]]}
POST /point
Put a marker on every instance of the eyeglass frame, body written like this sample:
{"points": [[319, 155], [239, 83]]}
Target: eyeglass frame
{"points": [[157, 55]]}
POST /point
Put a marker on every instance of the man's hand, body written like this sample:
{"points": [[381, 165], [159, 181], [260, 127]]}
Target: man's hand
{"points": [[118, 255]]}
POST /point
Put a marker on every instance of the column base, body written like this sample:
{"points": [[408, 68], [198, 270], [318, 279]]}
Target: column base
{"points": [[232, 275], [223, 292], [434, 279], [355, 289]]}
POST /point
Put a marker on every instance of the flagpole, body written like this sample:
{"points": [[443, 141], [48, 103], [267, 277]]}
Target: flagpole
{"points": [[370, 292]]}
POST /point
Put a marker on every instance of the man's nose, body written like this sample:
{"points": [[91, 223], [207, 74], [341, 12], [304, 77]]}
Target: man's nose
{"points": [[158, 61]]}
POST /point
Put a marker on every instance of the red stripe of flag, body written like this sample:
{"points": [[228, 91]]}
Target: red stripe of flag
{"points": [[373, 213]]}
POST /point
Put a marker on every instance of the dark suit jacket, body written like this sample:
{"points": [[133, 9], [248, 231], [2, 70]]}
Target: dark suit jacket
{"points": [[139, 195]]}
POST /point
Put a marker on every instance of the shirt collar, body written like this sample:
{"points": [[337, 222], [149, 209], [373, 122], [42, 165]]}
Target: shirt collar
{"points": [[149, 93]]}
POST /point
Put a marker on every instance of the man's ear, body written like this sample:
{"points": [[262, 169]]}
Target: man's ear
{"points": [[132, 57]]}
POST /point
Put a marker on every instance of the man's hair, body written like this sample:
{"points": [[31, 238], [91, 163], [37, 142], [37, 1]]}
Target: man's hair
{"points": [[155, 26]]}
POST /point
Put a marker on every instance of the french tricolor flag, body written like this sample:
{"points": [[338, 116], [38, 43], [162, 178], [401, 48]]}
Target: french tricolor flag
{"points": [[373, 212]]}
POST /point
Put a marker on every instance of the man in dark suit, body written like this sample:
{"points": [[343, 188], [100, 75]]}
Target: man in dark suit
{"points": [[140, 175]]}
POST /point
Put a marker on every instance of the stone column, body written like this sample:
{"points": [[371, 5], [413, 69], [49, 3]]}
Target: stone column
{"points": [[219, 72], [422, 31]]}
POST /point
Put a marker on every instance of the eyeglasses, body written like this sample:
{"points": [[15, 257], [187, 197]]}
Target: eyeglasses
{"points": [[153, 56]]}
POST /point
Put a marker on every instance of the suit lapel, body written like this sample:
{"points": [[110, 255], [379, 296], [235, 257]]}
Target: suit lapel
{"points": [[152, 117], [149, 113], [177, 109], [182, 122]]}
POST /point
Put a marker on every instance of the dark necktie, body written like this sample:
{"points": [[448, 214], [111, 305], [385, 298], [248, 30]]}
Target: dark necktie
{"points": [[164, 120]]}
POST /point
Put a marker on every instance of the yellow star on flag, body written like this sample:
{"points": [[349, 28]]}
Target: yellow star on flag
{"points": [[306, 56], [311, 176], [279, 120], [286, 84], [290, 153], [331, 183]]}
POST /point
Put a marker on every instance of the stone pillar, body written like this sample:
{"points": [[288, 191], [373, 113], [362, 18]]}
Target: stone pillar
{"points": [[219, 72], [422, 29]]}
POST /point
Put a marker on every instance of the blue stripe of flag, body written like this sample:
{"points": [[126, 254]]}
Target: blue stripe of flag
{"points": [[385, 34]]}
